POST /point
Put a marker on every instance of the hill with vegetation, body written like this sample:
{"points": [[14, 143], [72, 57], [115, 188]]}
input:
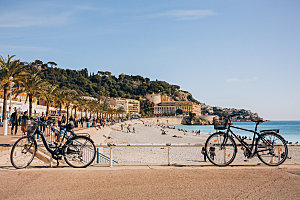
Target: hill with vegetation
{"points": [[104, 83]]}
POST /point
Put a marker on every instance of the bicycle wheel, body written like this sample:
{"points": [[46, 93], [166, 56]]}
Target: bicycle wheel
{"points": [[80, 152], [23, 152], [271, 149], [220, 150]]}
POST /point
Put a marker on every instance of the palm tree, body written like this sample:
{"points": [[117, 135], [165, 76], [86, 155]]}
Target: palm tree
{"points": [[32, 85], [9, 70], [48, 93]]}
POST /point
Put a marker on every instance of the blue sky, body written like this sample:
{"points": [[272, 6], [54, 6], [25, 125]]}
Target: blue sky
{"points": [[230, 53]]}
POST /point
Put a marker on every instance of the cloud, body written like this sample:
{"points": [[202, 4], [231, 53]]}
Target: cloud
{"points": [[187, 14], [19, 20], [44, 15], [238, 80]]}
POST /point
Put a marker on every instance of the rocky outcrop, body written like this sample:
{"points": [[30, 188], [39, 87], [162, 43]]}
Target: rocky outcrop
{"points": [[197, 120]]}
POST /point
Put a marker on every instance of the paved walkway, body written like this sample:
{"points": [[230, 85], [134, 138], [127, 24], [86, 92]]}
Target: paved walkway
{"points": [[155, 182]]}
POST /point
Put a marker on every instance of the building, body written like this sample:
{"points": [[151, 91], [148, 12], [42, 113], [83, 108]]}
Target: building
{"points": [[165, 108], [165, 97], [158, 98], [196, 108], [154, 98], [131, 106], [170, 107]]}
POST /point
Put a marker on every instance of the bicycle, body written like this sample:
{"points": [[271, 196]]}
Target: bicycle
{"points": [[78, 151], [268, 145]]}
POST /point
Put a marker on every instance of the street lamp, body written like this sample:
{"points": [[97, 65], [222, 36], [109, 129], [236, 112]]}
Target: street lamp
{"points": [[11, 84]]}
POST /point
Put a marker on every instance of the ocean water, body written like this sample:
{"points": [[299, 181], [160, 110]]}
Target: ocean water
{"points": [[290, 130]]}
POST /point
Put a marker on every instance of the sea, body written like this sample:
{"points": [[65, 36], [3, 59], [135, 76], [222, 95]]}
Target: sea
{"points": [[290, 130]]}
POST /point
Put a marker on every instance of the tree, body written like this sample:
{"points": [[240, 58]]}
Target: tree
{"points": [[9, 70], [179, 112], [32, 85], [48, 93], [51, 64]]}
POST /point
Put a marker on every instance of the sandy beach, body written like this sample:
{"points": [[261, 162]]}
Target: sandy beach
{"points": [[149, 131]]}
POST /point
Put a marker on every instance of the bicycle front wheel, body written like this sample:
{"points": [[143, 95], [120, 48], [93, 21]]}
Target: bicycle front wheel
{"points": [[23, 152], [220, 149], [271, 149], [80, 152]]}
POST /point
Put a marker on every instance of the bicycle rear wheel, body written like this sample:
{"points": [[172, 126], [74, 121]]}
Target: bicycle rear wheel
{"points": [[271, 149], [80, 152], [23, 152], [220, 149]]}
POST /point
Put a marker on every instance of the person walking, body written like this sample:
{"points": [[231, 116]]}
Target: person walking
{"points": [[23, 122], [204, 154], [14, 122], [59, 121], [43, 119]]}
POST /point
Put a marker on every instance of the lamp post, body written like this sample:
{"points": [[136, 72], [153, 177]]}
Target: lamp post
{"points": [[5, 124], [11, 85]]}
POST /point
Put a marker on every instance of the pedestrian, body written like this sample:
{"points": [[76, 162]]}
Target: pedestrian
{"points": [[204, 154], [128, 129], [14, 121], [59, 121], [133, 130], [23, 122], [43, 119]]}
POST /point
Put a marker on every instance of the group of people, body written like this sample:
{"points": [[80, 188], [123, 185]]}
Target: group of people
{"points": [[128, 129], [18, 119]]}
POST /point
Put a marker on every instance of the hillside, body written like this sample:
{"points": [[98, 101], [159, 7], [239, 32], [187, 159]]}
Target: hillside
{"points": [[104, 83]]}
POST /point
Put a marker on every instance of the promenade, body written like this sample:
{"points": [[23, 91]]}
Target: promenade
{"points": [[151, 182]]}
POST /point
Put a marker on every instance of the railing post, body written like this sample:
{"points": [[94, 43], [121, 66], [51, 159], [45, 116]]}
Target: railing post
{"points": [[111, 156], [169, 156], [97, 155]]}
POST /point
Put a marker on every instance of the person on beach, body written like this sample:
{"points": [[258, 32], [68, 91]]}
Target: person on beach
{"points": [[204, 154], [128, 129], [133, 130], [14, 121]]}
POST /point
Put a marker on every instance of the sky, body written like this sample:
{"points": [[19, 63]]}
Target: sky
{"points": [[229, 53]]}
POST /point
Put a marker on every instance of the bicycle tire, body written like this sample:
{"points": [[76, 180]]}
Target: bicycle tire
{"points": [[213, 145], [72, 153], [266, 151], [19, 154]]}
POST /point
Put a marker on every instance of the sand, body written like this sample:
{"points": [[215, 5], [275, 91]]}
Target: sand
{"points": [[148, 131]]}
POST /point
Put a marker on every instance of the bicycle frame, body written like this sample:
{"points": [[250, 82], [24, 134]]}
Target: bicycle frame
{"points": [[57, 147], [243, 143]]}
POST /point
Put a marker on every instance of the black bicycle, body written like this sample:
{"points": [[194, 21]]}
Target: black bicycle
{"points": [[78, 151], [268, 145]]}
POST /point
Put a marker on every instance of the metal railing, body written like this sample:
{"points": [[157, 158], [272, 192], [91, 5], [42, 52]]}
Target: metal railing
{"points": [[111, 147]]}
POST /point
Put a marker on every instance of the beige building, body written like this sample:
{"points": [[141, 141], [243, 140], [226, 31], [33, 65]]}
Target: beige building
{"points": [[165, 108], [196, 108], [131, 106], [170, 107]]}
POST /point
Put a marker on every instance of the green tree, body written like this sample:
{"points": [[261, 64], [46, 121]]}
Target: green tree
{"points": [[32, 85], [179, 112], [48, 93], [9, 71]]}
